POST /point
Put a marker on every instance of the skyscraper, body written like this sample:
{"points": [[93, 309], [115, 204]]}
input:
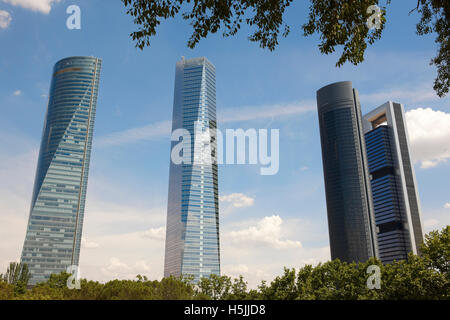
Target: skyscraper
{"points": [[347, 185], [53, 237], [192, 233], [394, 188]]}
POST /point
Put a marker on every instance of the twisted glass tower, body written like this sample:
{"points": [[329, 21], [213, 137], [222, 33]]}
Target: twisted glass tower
{"points": [[192, 233], [53, 237], [351, 220]]}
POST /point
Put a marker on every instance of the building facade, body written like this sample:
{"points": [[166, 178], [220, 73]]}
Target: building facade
{"points": [[394, 188], [53, 236], [350, 212], [192, 232]]}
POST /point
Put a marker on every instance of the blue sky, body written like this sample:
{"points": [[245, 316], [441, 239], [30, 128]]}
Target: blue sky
{"points": [[267, 222]]}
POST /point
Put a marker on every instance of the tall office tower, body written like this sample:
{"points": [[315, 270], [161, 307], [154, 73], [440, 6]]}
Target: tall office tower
{"points": [[53, 236], [394, 191], [347, 185], [192, 233]]}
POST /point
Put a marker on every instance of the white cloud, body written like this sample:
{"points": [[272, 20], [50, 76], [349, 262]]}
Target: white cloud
{"points": [[17, 93], [429, 135], [435, 219], [260, 260], [5, 19], [121, 270], [155, 233], [85, 243], [44, 6], [252, 274], [418, 94], [265, 111], [132, 253], [126, 236], [16, 184], [430, 223], [117, 216], [447, 205], [162, 129], [267, 232], [125, 233], [239, 269], [125, 229], [148, 132], [114, 220], [238, 200]]}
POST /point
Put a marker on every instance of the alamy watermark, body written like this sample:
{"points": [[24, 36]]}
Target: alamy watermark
{"points": [[374, 21], [374, 280], [73, 282], [209, 147], [74, 20]]}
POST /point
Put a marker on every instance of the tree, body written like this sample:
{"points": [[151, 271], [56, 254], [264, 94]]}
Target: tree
{"points": [[239, 290], [172, 288], [224, 288], [56, 281], [17, 275], [281, 288], [436, 18], [334, 280], [6, 290], [127, 290], [337, 22], [436, 250], [413, 279], [419, 277], [216, 287]]}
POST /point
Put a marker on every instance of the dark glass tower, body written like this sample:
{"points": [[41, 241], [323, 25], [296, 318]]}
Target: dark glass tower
{"points": [[394, 189], [192, 233], [53, 237], [347, 185]]}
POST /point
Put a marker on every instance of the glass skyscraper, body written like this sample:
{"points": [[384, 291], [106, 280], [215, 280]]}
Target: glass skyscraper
{"points": [[394, 188], [192, 233], [53, 237], [351, 221]]}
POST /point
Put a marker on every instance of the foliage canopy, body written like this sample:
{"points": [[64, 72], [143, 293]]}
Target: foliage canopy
{"points": [[339, 23], [420, 277]]}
